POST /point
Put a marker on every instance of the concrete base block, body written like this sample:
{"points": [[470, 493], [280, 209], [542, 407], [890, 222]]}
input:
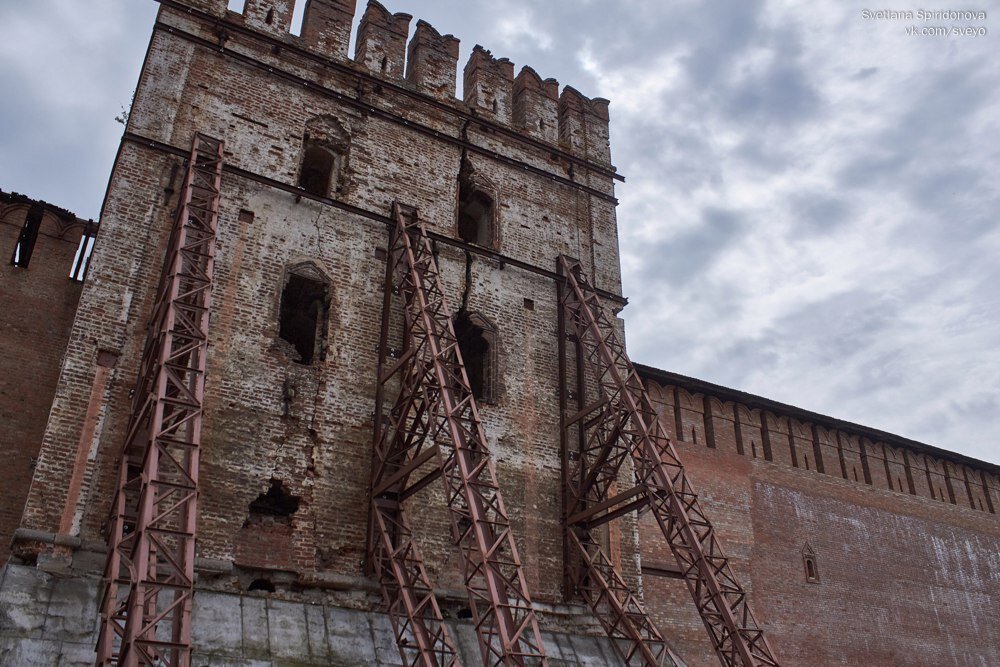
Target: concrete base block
{"points": [[51, 621]]}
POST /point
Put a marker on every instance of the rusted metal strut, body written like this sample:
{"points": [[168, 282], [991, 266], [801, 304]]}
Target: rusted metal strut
{"points": [[599, 437], [433, 428], [149, 573]]}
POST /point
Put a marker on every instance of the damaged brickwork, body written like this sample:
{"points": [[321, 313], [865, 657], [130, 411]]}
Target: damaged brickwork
{"points": [[318, 146]]}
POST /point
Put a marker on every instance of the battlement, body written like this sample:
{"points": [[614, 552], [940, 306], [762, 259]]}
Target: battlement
{"points": [[428, 63]]}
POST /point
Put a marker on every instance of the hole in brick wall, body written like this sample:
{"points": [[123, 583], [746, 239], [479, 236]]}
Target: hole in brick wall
{"points": [[464, 613], [261, 585], [475, 215], [529, 304], [475, 343], [269, 19], [304, 312], [276, 503]]}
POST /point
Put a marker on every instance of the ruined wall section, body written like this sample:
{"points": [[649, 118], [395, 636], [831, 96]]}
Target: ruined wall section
{"points": [[901, 576], [269, 418], [38, 299]]}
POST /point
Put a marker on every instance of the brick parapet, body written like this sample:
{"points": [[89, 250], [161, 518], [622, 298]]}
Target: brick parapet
{"points": [[798, 439], [381, 49]]}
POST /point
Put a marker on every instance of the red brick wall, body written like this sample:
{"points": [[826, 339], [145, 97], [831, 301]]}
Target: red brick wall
{"points": [[904, 579], [37, 304]]}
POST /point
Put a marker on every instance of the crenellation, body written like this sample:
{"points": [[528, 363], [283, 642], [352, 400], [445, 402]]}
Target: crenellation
{"points": [[955, 476], [432, 62], [937, 478], [853, 466], [536, 105], [583, 126], [381, 41], [326, 26], [489, 84], [272, 16]]}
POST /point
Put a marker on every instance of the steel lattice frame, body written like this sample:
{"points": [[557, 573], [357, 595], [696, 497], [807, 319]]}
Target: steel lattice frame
{"points": [[434, 427], [149, 574], [617, 426]]}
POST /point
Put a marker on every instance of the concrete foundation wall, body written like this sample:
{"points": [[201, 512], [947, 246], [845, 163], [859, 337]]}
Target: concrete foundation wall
{"points": [[50, 621]]}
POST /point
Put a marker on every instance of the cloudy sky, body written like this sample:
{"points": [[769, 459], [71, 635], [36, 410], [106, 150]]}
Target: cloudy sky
{"points": [[812, 210]]}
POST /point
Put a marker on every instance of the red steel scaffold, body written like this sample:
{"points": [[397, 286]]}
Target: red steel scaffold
{"points": [[149, 573], [431, 431], [618, 426]]}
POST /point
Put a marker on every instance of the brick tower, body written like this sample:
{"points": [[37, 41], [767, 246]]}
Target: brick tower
{"points": [[318, 147]]}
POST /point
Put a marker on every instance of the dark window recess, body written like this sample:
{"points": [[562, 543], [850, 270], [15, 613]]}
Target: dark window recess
{"points": [[277, 503], [475, 215], [304, 307], [29, 235], [475, 345], [318, 164]]}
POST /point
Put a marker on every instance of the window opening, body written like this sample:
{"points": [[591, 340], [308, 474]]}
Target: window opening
{"points": [[324, 155], [317, 168], [475, 344], [298, 13], [28, 236], [809, 563], [475, 215], [237, 6], [304, 310], [81, 260]]}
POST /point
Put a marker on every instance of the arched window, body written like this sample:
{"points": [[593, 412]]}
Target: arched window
{"points": [[305, 303], [324, 156], [477, 210], [477, 343], [475, 216], [809, 564]]}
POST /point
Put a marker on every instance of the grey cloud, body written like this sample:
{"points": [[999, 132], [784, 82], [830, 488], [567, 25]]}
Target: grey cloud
{"points": [[782, 94], [819, 213], [681, 258]]}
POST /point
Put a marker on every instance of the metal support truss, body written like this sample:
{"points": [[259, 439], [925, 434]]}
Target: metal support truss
{"points": [[433, 431], [149, 574], [599, 436]]}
